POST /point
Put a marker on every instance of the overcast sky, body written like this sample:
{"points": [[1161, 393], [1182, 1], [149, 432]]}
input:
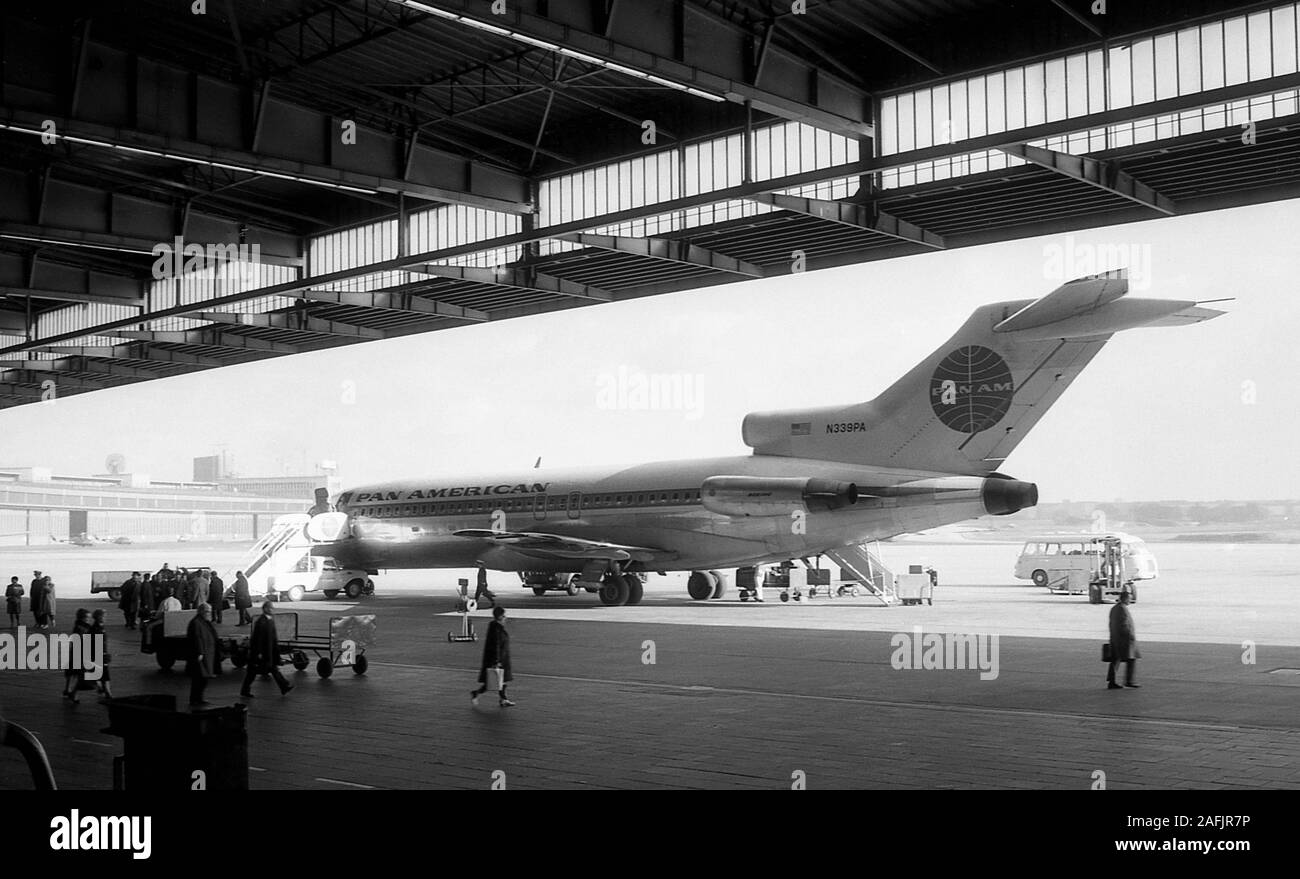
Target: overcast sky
{"points": [[1160, 414]]}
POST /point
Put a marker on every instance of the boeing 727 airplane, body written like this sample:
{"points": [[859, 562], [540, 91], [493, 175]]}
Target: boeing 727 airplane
{"points": [[926, 452]]}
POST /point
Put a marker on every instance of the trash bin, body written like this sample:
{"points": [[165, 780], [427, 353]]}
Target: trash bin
{"points": [[169, 750]]}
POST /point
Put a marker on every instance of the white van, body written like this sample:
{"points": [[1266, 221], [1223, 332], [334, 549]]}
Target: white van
{"points": [[1046, 560]]}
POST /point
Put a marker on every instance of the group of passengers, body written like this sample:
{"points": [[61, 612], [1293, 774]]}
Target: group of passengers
{"points": [[41, 601]]}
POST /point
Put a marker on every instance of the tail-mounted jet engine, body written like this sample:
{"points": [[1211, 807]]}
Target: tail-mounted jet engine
{"points": [[774, 496]]}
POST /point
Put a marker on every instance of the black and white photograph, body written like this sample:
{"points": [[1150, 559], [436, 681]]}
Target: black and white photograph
{"points": [[874, 395]]}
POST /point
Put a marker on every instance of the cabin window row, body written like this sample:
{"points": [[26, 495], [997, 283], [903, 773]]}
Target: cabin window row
{"points": [[554, 503]]}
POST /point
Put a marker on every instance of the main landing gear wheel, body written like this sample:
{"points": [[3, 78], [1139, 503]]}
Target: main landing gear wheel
{"points": [[354, 588], [1039, 577], [614, 591], [635, 588], [700, 586], [719, 584]]}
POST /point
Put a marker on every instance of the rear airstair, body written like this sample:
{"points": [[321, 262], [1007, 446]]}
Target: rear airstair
{"points": [[860, 564]]}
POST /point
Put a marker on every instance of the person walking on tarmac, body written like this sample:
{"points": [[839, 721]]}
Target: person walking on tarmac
{"points": [[73, 677], [496, 654], [103, 686], [483, 589], [201, 638], [243, 599], [130, 601], [263, 653], [1123, 642]]}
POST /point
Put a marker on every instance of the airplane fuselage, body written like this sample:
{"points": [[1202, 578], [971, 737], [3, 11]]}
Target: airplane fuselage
{"points": [[658, 506]]}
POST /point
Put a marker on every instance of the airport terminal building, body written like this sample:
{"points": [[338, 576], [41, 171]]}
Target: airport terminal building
{"points": [[39, 507]]}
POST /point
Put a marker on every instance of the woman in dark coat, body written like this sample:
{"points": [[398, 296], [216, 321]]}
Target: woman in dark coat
{"points": [[243, 600], [104, 686], [202, 641], [496, 654], [74, 677], [14, 601]]}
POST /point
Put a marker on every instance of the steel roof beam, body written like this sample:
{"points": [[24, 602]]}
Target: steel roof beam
{"points": [[676, 250], [793, 88], [67, 296], [28, 274], [1078, 17], [518, 278], [314, 157], [297, 322], [1102, 174], [65, 365], [217, 251], [395, 300], [859, 216], [137, 351], [207, 339], [879, 36], [847, 169], [33, 377]]}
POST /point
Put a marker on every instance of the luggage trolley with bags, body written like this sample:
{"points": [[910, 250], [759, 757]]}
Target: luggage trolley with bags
{"points": [[343, 646]]}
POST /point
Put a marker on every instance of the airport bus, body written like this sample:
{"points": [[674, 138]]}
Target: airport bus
{"points": [[1048, 559]]}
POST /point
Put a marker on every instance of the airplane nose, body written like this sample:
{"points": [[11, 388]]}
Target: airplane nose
{"points": [[327, 527], [1004, 496]]}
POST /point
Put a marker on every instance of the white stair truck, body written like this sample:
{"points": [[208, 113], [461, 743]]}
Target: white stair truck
{"points": [[281, 565]]}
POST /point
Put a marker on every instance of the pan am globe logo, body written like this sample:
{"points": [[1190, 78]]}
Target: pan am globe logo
{"points": [[971, 389]]}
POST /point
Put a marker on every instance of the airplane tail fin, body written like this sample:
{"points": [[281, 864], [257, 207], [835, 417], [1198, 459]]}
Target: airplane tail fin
{"points": [[967, 406]]}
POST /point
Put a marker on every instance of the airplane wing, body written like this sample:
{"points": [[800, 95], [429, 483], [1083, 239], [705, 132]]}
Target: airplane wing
{"points": [[559, 546]]}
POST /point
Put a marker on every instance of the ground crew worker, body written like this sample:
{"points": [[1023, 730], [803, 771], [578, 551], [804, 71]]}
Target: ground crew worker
{"points": [[483, 589], [264, 653]]}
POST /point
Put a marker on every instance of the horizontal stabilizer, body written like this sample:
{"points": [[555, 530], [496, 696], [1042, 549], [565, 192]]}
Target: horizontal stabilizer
{"points": [[1121, 314], [1191, 315], [1078, 297]]}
